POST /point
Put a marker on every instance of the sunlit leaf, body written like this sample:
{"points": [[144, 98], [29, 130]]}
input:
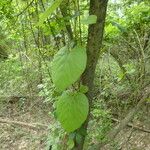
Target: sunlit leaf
{"points": [[89, 20], [83, 88], [67, 66], [72, 110], [50, 10]]}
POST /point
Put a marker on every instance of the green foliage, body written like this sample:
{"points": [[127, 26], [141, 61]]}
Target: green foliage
{"points": [[138, 15], [50, 10], [83, 89], [67, 66], [100, 124], [29, 68], [89, 20], [10, 71], [70, 143], [104, 124], [55, 137], [72, 110], [13, 76], [112, 31]]}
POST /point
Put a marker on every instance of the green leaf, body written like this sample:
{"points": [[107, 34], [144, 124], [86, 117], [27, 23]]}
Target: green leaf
{"points": [[148, 99], [72, 135], [50, 10], [70, 143], [72, 110], [89, 20], [83, 89], [119, 26], [67, 66], [78, 138]]}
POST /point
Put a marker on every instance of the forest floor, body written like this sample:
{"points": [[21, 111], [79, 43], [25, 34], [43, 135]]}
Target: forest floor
{"points": [[21, 137]]}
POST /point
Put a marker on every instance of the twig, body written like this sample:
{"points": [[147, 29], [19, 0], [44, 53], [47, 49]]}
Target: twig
{"points": [[131, 114], [34, 126], [25, 8], [123, 123], [127, 140], [67, 22], [132, 126]]}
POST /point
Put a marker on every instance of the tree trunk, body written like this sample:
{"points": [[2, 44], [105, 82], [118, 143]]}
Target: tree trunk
{"points": [[94, 43]]}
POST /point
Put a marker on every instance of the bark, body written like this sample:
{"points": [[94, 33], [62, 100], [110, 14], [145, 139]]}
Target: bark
{"points": [[94, 43]]}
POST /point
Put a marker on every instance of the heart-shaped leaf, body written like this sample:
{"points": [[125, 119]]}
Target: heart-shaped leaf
{"points": [[72, 110], [67, 66]]}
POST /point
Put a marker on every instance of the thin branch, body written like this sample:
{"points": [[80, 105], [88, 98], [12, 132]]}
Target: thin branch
{"points": [[50, 27], [25, 9], [123, 123], [34, 126], [132, 126], [67, 22], [118, 60], [130, 115]]}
